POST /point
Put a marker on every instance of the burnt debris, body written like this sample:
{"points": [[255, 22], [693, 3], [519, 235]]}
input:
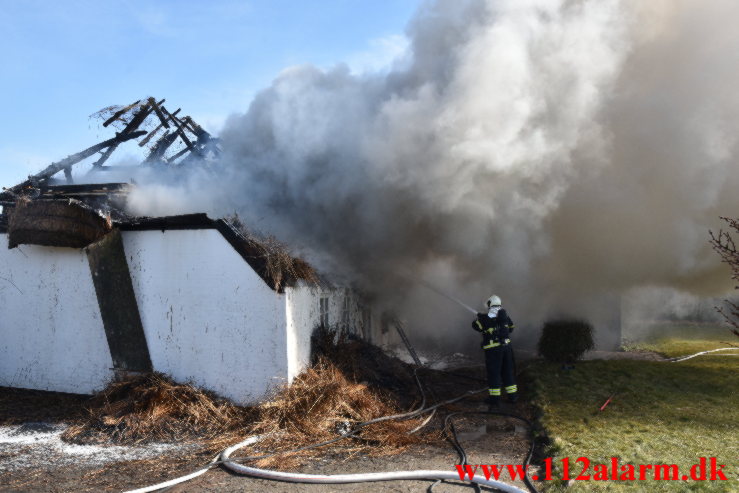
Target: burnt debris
{"points": [[65, 223], [50, 211], [57, 200], [182, 142]]}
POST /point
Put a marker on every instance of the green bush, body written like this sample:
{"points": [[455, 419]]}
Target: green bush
{"points": [[565, 341]]}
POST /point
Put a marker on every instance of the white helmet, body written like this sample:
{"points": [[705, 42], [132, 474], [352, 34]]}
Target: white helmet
{"points": [[494, 300]]}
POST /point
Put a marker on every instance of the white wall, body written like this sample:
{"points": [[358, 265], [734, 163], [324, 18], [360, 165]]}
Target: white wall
{"points": [[51, 333], [208, 317], [345, 310], [302, 312]]}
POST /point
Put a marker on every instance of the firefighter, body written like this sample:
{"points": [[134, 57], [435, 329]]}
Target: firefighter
{"points": [[496, 326]]}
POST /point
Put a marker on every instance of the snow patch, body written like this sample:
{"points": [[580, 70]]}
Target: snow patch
{"points": [[41, 443]]}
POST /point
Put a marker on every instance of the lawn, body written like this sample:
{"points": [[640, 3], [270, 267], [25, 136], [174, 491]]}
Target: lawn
{"points": [[661, 413]]}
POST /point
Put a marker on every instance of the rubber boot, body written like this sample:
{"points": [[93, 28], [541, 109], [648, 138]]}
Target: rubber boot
{"points": [[513, 398], [493, 401]]}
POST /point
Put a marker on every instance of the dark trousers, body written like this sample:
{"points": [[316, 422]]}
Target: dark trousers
{"points": [[500, 370]]}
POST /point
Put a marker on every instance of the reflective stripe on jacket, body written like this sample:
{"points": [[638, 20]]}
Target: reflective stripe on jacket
{"points": [[495, 331]]}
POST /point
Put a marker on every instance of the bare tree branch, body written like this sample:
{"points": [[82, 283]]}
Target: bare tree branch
{"points": [[724, 245]]}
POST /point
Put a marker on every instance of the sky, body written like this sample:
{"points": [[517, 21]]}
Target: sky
{"points": [[63, 61]]}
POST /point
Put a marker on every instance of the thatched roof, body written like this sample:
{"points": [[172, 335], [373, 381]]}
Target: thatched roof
{"points": [[268, 257], [67, 222], [60, 223]]}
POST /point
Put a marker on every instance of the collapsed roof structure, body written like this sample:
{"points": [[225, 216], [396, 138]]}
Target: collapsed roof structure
{"points": [[47, 210], [172, 142], [96, 291]]}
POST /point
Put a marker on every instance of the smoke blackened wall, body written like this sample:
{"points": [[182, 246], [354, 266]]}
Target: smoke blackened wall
{"points": [[555, 152]]}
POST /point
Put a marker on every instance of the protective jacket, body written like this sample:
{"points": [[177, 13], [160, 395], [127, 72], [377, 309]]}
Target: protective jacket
{"points": [[495, 331], [499, 362]]}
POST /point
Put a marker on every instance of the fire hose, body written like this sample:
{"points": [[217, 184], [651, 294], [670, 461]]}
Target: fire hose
{"points": [[352, 478], [683, 358], [224, 458]]}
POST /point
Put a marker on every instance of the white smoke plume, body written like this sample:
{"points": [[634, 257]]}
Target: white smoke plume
{"points": [[554, 152]]}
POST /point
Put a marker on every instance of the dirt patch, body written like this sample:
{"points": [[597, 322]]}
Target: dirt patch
{"points": [[18, 406]]}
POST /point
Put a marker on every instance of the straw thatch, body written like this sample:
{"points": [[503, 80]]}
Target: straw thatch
{"points": [[272, 259], [62, 223]]}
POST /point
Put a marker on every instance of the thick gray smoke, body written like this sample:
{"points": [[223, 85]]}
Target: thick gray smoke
{"points": [[554, 152]]}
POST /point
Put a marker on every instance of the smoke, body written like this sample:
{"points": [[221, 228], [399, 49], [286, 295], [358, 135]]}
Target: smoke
{"points": [[554, 152]]}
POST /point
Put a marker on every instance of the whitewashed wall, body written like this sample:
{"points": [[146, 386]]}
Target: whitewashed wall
{"points": [[51, 333], [344, 310], [302, 314], [209, 318]]}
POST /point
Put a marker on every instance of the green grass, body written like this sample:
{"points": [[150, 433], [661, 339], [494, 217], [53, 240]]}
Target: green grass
{"points": [[662, 413]]}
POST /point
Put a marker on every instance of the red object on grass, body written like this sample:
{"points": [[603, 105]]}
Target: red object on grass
{"points": [[606, 403]]}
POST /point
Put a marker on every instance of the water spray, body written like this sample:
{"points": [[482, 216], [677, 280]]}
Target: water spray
{"points": [[446, 295]]}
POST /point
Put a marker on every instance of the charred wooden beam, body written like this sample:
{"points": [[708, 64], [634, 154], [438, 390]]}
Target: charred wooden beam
{"points": [[161, 146], [85, 190], [134, 124], [178, 155], [158, 111], [182, 128], [159, 127], [139, 117], [192, 126], [99, 163], [69, 161], [119, 113]]}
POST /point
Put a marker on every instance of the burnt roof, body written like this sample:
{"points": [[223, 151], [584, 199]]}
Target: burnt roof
{"points": [[172, 141], [270, 261]]}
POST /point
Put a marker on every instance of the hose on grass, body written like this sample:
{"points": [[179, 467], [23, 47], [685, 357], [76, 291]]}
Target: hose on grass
{"points": [[684, 358]]}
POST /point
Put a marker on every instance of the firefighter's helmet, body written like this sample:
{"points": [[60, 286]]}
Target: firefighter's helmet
{"points": [[494, 300]]}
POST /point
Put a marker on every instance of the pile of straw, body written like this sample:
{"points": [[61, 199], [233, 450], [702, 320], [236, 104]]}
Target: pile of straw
{"points": [[327, 400], [322, 404], [153, 408]]}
